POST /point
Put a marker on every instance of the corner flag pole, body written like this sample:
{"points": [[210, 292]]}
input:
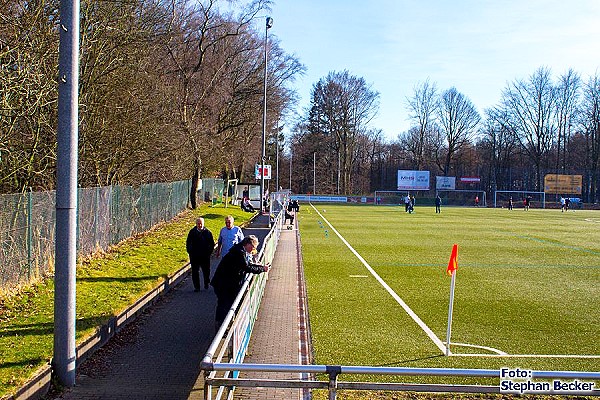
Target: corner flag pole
{"points": [[451, 270]]}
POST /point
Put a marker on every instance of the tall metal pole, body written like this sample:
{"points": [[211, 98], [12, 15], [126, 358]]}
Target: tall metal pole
{"points": [[277, 161], [66, 194], [269, 23]]}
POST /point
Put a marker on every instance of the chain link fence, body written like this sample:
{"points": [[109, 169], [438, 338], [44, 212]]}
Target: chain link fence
{"points": [[106, 216]]}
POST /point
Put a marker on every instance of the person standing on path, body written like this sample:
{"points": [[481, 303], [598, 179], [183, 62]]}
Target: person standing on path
{"points": [[200, 245], [231, 272], [228, 236]]}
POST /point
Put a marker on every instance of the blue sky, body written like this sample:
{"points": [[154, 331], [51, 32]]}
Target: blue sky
{"points": [[477, 46]]}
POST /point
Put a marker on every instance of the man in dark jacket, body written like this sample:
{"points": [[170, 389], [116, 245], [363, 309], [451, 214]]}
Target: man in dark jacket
{"points": [[200, 245], [231, 272]]}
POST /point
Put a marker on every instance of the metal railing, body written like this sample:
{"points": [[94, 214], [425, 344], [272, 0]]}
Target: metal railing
{"points": [[233, 336], [332, 385]]}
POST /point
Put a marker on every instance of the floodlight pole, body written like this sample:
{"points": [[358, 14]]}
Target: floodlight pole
{"points": [[277, 160], [64, 354], [268, 24]]}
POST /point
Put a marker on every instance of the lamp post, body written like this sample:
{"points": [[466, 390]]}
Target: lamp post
{"points": [[277, 161], [269, 24]]}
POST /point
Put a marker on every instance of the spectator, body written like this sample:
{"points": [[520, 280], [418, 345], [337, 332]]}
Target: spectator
{"points": [[200, 245], [246, 205], [228, 236], [510, 203], [288, 216], [438, 204], [476, 201], [230, 274], [295, 205]]}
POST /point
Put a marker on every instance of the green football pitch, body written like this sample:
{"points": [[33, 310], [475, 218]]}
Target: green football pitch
{"points": [[527, 289]]}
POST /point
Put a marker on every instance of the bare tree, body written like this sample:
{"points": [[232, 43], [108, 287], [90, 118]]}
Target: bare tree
{"points": [[342, 106], [590, 121], [197, 34], [458, 119], [530, 111], [121, 133], [497, 146], [567, 96], [28, 56], [422, 106]]}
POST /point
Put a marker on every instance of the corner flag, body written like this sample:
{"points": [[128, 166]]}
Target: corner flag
{"points": [[453, 263], [451, 270]]}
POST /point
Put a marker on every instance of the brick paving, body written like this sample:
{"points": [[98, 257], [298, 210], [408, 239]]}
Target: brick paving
{"points": [[158, 356], [275, 338]]}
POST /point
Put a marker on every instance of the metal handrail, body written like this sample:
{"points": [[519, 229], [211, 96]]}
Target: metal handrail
{"points": [[333, 371], [221, 345]]}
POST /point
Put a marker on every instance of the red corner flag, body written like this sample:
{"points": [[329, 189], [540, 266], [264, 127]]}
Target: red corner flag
{"points": [[453, 263]]}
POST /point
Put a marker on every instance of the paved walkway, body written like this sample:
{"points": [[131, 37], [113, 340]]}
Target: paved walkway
{"points": [[276, 335], [158, 356]]}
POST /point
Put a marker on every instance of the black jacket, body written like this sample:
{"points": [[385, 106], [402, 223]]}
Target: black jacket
{"points": [[199, 244], [231, 271]]}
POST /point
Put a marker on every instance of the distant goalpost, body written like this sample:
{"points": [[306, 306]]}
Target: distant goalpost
{"points": [[501, 197], [389, 197], [462, 197]]}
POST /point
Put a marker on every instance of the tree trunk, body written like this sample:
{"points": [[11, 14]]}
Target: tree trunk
{"points": [[195, 178]]}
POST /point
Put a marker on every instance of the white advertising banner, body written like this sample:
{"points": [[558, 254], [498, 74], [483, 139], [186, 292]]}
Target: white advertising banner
{"points": [[413, 180], [445, 182]]}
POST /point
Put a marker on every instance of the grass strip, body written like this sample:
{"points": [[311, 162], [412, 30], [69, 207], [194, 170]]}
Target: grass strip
{"points": [[107, 283]]}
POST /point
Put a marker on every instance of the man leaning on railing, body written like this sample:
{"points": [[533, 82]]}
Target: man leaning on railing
{"points": [[231, 271]]}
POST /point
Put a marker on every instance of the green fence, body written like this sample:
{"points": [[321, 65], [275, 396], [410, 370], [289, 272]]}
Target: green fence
{"points": [[106, 215]]}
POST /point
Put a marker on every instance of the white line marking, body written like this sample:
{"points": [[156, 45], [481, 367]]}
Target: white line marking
{"points": [[358, 276], [491, 349], [527, 355], [406, 308]]}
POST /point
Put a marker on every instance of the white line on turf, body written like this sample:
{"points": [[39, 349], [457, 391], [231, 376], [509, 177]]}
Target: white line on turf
{"points": [[582, 356], [406, 308]]}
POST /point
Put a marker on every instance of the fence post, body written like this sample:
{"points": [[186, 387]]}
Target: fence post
{"points": [[96, 220], [29, 232], [333, 371]]}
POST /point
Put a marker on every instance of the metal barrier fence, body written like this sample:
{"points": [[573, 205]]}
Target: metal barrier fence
{"points": [[106, 216], [515, 382], [233, 337]]}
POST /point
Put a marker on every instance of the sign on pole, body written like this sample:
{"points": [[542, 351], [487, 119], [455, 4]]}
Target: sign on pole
{"points": [[266, 171]]}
